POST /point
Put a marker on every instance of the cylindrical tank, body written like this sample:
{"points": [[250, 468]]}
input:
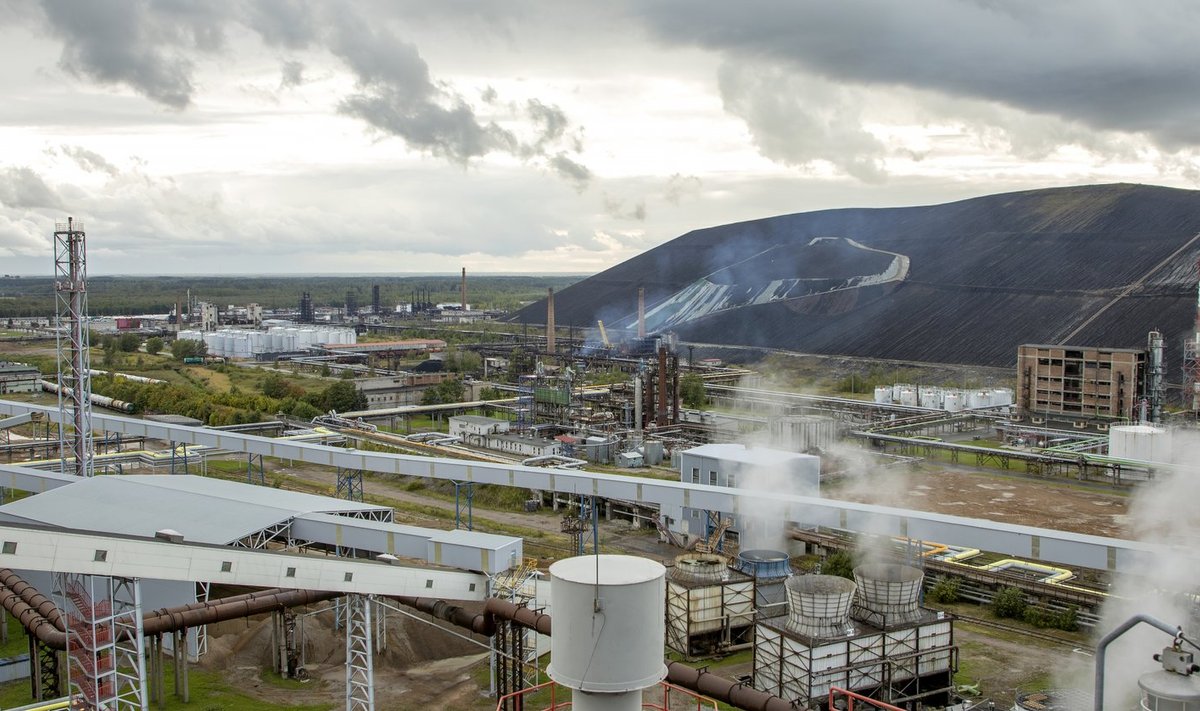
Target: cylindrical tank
{"points": [[1143, 443], [931, 398], [819, 605], [908, 397], [1002, 397], [889, 591], [652, 450], [952, 402], [1169, 691], [883, 394], [770, 569], [608, 629]]}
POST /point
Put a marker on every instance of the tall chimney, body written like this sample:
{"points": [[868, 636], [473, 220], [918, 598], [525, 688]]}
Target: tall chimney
{"points": [[641, 312], [463, 289], [550, 320]]}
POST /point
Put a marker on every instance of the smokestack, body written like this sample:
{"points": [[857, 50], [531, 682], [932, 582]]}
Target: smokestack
{"points": [[550, 320], [641, 312], [463, 289]]}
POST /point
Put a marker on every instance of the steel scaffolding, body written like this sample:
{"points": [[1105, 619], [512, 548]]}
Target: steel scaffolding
{"points": [[106, 661], [349, 484], [71, 342], [360, 676]]}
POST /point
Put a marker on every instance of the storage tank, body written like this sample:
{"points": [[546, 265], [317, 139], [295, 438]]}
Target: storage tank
{"points": [[652, 450], [952, 402], [1143, 443], [979, 398], [819, 605], [883, 394], [887, 594], [931, 398], [803, 434], [1002, 397], [608, 629], [908, 397], [1172, 688]]}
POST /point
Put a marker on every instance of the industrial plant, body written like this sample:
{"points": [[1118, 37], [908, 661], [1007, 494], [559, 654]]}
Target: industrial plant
{"points": [[713, 538]]}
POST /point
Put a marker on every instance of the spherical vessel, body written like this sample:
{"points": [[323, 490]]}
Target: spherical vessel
{"points": [[608, 623]]}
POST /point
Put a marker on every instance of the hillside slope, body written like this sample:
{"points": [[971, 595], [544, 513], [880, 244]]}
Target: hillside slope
{"points": [[964, 282]]}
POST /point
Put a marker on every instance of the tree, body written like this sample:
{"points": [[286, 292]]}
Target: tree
{"points": [[341, 396], [449, 390], [691, 391], [491, 394], [839, 563], [154, 345], [1009, 603], [128, 342], [181, 348]]}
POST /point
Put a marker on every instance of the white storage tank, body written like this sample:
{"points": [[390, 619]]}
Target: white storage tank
{"points": [[1143, 443], [931, 398], [1002, 397], [908, 397], [883, 394], [952, 402], [979, 398], [608, 629]]}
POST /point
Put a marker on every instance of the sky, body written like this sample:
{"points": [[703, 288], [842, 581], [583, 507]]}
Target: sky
{"points": [[284, 136]]}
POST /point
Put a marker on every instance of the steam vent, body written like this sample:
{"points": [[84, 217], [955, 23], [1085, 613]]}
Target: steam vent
{"points": [[868, 635]]}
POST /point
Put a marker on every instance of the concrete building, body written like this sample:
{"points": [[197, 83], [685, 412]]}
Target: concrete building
{"points": [[467, 426], [737, 466], [208, 316], [1079, 383], [492, 433], [396, 390], [18, 378]]}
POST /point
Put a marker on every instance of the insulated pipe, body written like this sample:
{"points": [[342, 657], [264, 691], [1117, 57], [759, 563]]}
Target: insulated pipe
{"points": [[725, 690], [37, 625], [480, 623], [537, 621], [219, 611], [30, 595], [1102, 649]]}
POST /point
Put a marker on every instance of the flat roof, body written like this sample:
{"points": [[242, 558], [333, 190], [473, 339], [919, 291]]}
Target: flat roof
{"points": [[1105, 349], [746, 455], [204, 510], [478, 419]]}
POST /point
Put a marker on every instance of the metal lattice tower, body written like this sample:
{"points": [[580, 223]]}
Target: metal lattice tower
{"points": [[1191, 360], [349, 484], [360, 675], [106, 660], [71, 340]]}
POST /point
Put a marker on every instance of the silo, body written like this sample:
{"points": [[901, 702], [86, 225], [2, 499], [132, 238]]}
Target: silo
{"points": [[770, 570], [710, 606], [608, 630]]}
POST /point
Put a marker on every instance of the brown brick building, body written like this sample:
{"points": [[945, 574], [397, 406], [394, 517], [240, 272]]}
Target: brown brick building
{"points": [[1079, 382]]}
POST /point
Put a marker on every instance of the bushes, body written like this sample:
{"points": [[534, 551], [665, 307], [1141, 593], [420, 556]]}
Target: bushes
{"points": [[1009, 603], [944, 590], [839, 563]]}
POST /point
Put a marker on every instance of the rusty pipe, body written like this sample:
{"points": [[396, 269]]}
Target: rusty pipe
{"points": [[725, 690], [479, 623], [32, 620], [537, 621], [220, 610], [44, 605]]}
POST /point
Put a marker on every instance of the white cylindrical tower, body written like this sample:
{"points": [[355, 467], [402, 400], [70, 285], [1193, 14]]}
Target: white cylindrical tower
{"points": [[608, 629]]}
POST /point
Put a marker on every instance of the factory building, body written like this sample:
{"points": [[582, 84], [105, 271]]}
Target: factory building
{"points": [[18, 378], [492, 433], [397, 390], [1079, 383], [737, 466]]}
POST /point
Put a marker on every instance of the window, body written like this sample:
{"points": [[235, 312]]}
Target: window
{"points": [[10, 547], [291, 573], [226, 566], [712, 478], [695, 475], [471, 587], [730, 479], [100, 556], [428, 583], [349, 577]]}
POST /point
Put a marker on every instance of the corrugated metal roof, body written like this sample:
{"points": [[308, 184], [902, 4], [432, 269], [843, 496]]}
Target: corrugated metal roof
{"points": [[204, 510]]}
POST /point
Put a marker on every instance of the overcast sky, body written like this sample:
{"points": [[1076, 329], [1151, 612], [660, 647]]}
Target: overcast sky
{"points": [[276, 136]]}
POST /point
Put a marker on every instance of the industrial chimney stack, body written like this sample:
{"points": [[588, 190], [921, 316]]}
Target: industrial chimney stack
{"points": [[463, 289], [641, 328], [550, 320]]}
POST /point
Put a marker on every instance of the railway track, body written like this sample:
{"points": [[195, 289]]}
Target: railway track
{"points": [[1026, 632]]}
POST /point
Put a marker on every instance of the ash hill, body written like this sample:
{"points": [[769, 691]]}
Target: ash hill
{"points": [[964, 282]]}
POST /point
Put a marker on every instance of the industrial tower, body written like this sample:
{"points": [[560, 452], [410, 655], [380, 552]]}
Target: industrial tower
{"points": [[1191, 359], [71, 341]]}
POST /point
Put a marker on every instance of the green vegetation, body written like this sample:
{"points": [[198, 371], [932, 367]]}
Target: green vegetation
{"points": [[1009, 603], [181, 349], [154, 345], [107, 295], [945, 590], [449, 390], [839, 563], [691, 391]]}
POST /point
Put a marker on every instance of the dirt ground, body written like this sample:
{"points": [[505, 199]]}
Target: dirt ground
{"points": [[995, 496]]}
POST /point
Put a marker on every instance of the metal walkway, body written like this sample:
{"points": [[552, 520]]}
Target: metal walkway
{"points": [[1020, 541]]}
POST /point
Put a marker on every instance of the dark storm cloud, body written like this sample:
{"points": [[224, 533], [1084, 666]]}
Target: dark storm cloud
{"points": [[21, 188], [1109, 64], [137, 43]]}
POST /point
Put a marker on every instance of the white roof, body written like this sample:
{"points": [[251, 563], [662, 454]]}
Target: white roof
{"points": [[740, 453], [204, 510]]}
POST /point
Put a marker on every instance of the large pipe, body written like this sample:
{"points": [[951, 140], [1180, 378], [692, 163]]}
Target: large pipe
{"points": [[30, 595], [101, 400], [479, 623], [219, 610]]}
